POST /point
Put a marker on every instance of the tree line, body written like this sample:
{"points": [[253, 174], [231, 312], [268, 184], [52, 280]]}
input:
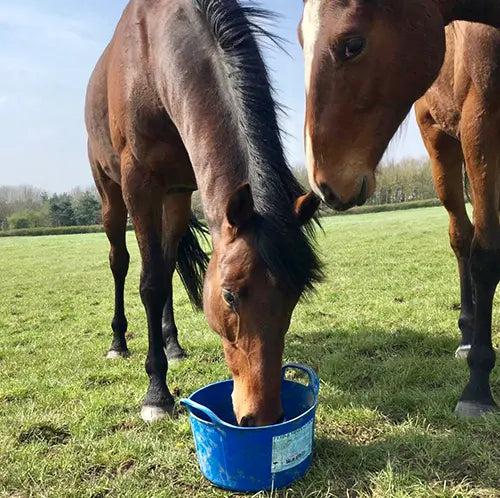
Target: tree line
{"points": [[404, 181], [29, 207]]}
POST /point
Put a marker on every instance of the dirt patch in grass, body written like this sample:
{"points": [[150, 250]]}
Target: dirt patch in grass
{"points": [[128, 425], [93, 381], [98, 470], [46, 434]]}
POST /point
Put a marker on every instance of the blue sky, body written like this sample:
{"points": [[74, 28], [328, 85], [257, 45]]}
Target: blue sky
{"points": [[48, 49]]}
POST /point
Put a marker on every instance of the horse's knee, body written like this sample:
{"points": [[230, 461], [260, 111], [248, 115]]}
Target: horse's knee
{"points": [[461, 240], [153, 290]]}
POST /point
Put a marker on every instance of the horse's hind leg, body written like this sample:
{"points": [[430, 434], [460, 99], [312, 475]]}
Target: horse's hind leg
{"points": [[173, 349], [446, 161], [176, 212], [482, 155], [114, 218]]}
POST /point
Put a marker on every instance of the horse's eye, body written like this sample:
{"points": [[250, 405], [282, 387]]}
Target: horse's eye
{"points": [[349, 49], [231, 298]]}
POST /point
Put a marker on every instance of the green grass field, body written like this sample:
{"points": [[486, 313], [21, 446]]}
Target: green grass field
{"points": [[381, 332]]}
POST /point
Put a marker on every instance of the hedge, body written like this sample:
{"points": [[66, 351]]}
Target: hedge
{"points": [[32, 232], [400, 206]]}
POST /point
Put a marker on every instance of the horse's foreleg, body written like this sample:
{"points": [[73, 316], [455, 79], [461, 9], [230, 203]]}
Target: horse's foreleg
{"points": [[176, 212], [144, 202], [477, 398], [446, 161], [480, 144]]}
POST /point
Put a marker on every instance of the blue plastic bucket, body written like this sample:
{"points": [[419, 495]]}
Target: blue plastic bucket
{"points": [[250, 459]]}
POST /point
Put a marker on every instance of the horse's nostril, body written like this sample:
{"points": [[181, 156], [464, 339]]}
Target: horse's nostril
{"points": [[328, 196], [248, 421]]}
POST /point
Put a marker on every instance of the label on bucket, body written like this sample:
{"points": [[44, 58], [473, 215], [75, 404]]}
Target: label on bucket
{"points": [[291, 449]]}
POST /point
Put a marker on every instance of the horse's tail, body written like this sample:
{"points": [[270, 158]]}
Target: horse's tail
{"points": [[467, 186], [192, 261]]}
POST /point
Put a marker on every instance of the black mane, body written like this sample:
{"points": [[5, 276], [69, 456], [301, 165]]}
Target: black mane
{"points": [[286, 248], [481, 11]]}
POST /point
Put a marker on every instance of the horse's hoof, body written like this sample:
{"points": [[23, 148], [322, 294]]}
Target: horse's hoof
{"points": [[116, 355], [151, 414], [469, 409], [462, 352], [175, 355]]}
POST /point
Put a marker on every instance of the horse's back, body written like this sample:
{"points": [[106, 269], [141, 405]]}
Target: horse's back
{"points": [[101, 111], [97, 113], [124, 108]]}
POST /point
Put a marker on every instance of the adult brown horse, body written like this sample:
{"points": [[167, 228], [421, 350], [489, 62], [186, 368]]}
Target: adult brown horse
{"points": [[367, 62], [181, 100]]}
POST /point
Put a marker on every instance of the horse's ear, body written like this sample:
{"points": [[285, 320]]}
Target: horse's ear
{"points": [[239, 209], [306, 207]]}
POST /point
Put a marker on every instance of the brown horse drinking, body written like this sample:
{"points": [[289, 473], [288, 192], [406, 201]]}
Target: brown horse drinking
{"points": [[181, 100], [367, 62]]}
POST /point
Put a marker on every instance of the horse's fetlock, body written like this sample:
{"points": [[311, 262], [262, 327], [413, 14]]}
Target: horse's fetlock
{"points": [[170, 331], [466, 327], [481, 358], [156, 366], [466, 322], [119, 324]]}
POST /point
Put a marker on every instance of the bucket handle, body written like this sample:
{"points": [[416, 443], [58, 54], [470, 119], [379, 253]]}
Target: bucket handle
{"points": [[313, 376], [193, 405]]}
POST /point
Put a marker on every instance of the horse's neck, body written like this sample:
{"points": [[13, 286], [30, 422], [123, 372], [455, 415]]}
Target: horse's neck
{"points": [[218, 156], [483, 11], [210, 130]]}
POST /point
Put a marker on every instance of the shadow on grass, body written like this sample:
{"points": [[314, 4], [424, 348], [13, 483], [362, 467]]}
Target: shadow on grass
{"points": [[386, 408], [400, 461], [382, 370]]}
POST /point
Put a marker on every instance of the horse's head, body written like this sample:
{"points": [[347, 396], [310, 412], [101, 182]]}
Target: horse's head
{"points": [[251, 309], [366, 63]]}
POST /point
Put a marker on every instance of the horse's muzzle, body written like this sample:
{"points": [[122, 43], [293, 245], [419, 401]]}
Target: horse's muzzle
{"points": [[251, 421], [330, 198]]}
